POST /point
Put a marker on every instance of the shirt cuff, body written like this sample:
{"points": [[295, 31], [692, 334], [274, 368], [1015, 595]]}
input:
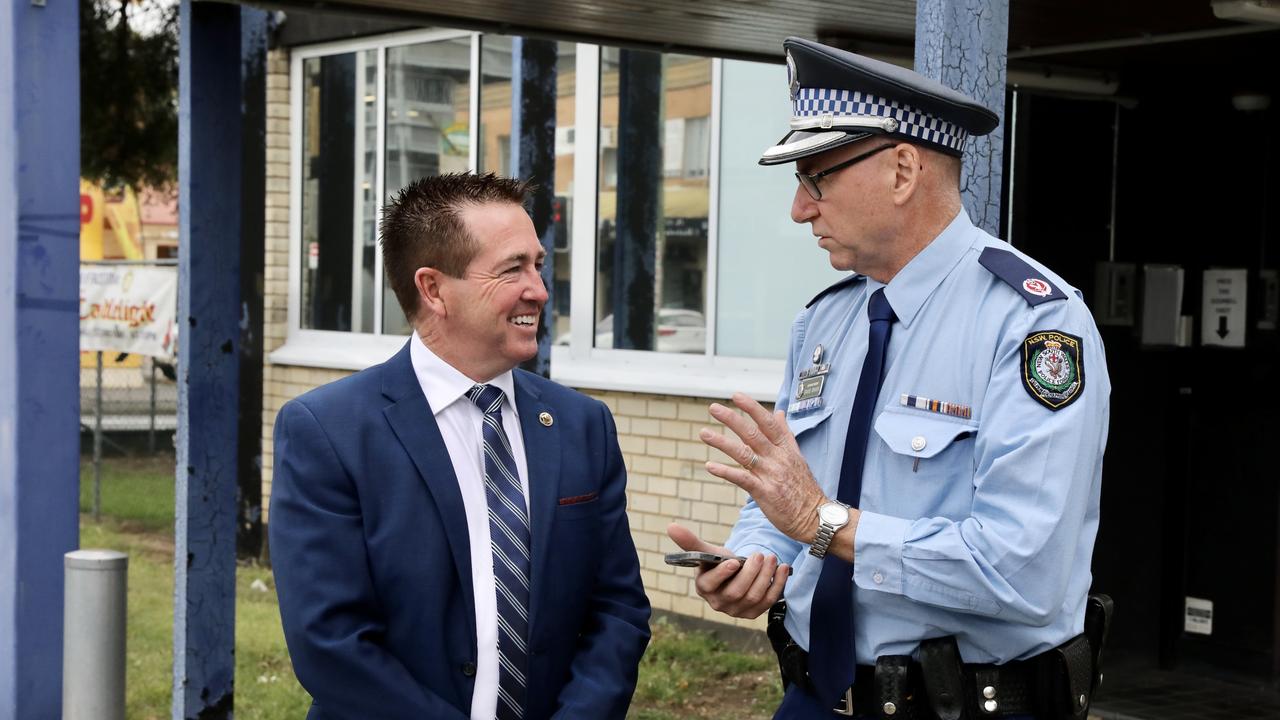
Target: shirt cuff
{"points": [[877, 552]]}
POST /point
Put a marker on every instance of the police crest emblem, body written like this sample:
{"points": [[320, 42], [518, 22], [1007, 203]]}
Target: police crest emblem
{"points": [[1053, 368]]}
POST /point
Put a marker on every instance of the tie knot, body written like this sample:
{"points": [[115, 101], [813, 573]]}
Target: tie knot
{"points": [[879, 308], [486, 397]]}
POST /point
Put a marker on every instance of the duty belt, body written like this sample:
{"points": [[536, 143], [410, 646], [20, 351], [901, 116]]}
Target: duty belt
{"points": [[1056, 685]]}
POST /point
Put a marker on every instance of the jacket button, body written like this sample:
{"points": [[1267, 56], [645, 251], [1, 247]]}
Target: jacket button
{"points": [[469, 669]]}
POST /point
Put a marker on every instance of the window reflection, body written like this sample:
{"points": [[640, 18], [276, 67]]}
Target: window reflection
{"points": [[651, 282]]}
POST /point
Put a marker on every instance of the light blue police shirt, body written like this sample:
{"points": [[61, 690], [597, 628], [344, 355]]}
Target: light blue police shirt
{"points": [[980, 527]]}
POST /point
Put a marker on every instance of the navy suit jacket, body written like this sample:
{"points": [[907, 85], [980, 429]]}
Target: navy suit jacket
{"points": [[370, 550]]}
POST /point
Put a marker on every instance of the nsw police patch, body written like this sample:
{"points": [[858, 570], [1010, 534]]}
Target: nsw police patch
{"points": [[1052, 368]]}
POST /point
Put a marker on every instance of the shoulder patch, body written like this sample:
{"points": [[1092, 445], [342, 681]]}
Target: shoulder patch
{"points": [[841, 283], [1014, 271], [1053, 368]]}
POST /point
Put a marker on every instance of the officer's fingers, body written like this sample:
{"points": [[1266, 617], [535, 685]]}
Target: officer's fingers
{"points": [[788, 437], [687, 540], [759, 587], [743, 427], [710, 583], [738, 476], [729, 446], [774, 432], [736, 589], [775, 590]]}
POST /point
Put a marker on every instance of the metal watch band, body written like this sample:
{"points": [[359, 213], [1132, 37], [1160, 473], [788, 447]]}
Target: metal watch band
{"points": [[826, 531]]}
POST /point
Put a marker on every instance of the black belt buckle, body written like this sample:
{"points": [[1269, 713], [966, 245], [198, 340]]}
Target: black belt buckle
{"points": [[844, 708]]}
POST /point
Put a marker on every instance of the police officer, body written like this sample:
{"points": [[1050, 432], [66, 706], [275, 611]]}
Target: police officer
{"points": [[926, 492]]}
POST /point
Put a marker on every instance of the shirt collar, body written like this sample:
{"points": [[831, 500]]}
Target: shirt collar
{"points": [[443, 384], [913, 284]]}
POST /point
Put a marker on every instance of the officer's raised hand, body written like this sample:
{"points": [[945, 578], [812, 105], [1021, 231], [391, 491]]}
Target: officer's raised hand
{"points": [[772, 470], [737, 589]]}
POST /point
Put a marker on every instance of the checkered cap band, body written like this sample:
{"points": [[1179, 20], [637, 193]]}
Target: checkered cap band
{"points": [[814, 102]]}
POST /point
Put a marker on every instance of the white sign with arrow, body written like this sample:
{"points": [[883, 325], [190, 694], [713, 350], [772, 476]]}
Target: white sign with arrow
{"points": [[1223, 312]]}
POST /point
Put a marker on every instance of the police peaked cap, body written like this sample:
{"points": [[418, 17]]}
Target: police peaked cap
{"points": [[838, 97]]}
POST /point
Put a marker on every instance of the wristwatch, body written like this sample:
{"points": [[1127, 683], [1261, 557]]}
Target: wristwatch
{"points": [[832, 516]]}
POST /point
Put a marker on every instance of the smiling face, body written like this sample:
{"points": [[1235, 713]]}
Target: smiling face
{"points": [[490, 324]]}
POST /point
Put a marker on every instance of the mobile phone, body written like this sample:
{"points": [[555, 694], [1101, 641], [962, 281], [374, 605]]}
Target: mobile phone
{"points": [[698, 559]]}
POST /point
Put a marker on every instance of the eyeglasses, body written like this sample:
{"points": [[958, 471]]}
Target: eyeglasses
{"points": [[810, 182]]}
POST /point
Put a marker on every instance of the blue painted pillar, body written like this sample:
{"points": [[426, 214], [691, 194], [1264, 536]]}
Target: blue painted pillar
{"points": [[39, 345], [209, 175], [533, 135], [964, 44]]}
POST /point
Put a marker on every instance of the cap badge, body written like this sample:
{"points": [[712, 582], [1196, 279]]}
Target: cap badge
{"points": [[793, 78], [1037, 287]]}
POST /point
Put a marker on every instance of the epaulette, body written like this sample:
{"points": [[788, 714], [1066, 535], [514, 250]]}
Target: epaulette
{"points": [[1019, 275], [842, 282]]}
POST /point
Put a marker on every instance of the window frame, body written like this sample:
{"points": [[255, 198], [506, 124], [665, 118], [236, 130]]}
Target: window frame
{"points": [[580, 364]]}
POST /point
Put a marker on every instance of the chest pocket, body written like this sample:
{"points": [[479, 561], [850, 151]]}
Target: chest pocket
{"points": [[933, 443], [802, 423]]}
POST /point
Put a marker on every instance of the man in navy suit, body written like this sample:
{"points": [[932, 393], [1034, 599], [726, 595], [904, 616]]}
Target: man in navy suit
{"points": [[448, 532]]}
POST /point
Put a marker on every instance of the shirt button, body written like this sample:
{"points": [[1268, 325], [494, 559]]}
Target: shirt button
{"points": [[918, 442], [877, 578], [469, 669]]}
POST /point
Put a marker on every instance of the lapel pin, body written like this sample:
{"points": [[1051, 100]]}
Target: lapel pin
{"points": [[545, 418]]}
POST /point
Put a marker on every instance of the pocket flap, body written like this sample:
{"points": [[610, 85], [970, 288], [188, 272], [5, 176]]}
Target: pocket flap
{"points": [[919, 433], [801, 422]]}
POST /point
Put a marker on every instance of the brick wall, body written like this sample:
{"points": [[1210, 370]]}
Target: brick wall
{"points": [[658, 434]]}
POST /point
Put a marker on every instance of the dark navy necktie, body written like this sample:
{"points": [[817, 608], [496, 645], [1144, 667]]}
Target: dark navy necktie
{"points": [[509, 538], [831, 641]]}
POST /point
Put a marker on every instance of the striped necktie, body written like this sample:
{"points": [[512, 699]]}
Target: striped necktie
{"points": [[509, 539], [831, 640]]}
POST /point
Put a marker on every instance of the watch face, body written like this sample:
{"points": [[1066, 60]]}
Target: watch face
{"points": [[833, 514]]}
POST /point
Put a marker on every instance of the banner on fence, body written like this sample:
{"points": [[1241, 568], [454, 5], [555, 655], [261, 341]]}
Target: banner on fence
{"points": [[128, 309]]}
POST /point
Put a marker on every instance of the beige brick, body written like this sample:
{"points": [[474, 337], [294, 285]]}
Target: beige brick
{"points": [[674, 584], [678, 469], [674, 507], [660, 447], [649, 578], [647, 541], [662, 409], [704, 511], [685, 605], [676, 430], [648, 464], [623, 425], [645, 426], [637, 483], [689, 450], [721, 491], [728, 515], [644, 502], [652, 561], [663, 486], [633, 407], [659, 600], [689, 489], [277, 184], [633, 444], [694, 413], [610, 402]]}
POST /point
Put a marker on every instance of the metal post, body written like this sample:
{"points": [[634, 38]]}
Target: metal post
{"points": [[533, 135], [639, 198], [964, 45], [93, 624], [151, 433], [97, 443]]}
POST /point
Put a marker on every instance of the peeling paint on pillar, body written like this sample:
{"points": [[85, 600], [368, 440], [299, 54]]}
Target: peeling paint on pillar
{"points": [[964, 45], [533, 131], [209, 175]]}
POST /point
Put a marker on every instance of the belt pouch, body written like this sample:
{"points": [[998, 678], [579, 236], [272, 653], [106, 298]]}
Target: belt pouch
{"points": [[893, 699], [792, 664], [944, 678], [1066, 675]]}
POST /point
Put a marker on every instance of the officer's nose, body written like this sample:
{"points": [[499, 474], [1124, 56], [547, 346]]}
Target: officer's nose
{"points": [[803, 207]]}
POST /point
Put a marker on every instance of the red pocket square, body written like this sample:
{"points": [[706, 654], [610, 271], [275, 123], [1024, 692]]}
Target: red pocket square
{"points": [[576, 499]]}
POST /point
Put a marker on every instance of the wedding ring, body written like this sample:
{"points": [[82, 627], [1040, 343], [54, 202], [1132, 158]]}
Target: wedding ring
{"points": [[754, 459]]}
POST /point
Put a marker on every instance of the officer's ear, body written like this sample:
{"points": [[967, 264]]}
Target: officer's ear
{"points": [[908, 173]]}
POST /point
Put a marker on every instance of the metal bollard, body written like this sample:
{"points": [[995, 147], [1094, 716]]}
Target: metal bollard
{"points": [[93, 661]]}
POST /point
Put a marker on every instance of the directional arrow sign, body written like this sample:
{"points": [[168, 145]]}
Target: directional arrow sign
{"points": [[1223, 309]]}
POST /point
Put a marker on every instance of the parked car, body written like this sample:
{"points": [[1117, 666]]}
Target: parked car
{"points": [[679, 331]]}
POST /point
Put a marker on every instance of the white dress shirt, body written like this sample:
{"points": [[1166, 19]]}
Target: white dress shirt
{"points": [[460, 424]]}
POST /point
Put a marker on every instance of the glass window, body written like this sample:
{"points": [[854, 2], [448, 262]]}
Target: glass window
{"points": [[654, 198], [759, 247], [428, 131]]}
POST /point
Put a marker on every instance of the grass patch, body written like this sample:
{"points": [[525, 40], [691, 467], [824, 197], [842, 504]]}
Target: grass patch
{"points": [[136, 489], [683, 674]]}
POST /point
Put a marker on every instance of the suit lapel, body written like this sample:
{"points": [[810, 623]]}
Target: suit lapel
{"points": [[542, 455], [414, 424]]}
